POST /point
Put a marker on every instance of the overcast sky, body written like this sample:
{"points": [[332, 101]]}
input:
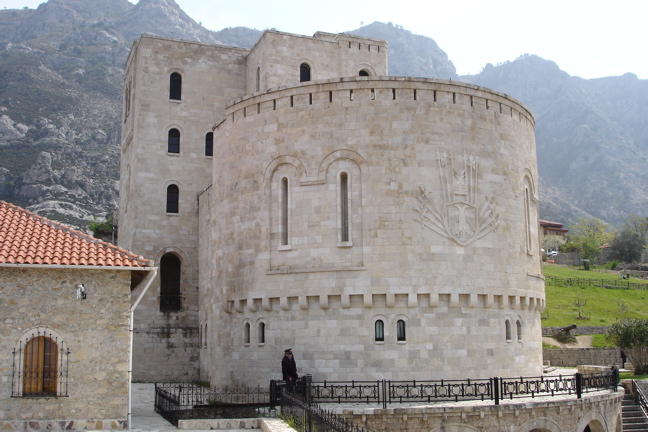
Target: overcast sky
{"points": [[586, 38]]}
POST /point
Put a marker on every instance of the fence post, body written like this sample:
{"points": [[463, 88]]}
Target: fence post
{"points": [[579, 385], [384, 394], [496, 390]]}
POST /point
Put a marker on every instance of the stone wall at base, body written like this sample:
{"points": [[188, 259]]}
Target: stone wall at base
{"points": [[62, 425], [582, 356], [601, 412]]}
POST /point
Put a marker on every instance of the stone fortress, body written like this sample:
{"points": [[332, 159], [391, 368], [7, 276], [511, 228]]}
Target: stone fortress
{"points": [[331, 202], [296, 196]]}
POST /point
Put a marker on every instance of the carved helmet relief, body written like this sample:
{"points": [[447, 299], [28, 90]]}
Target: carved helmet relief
{"points": [[457, 215]]}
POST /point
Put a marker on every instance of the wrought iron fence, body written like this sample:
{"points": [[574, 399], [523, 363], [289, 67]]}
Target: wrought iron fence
{"points": [[308, 416], [385, 392], [640, 397], [178, 401]]}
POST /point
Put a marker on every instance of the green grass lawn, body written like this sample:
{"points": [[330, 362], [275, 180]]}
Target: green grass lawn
{"points": [[597, 306]]}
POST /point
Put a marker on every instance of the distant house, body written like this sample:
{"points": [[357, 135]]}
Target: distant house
{"points": [[66, 302], [553, 228]]}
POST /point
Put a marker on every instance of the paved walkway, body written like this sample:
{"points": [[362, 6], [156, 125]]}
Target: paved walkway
{"points": [[144, 418]]}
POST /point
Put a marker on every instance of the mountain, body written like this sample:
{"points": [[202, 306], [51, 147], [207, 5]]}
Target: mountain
{"points": [[592, 141], [60, 105]]}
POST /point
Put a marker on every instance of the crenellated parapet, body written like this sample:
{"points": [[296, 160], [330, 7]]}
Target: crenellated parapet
{"points": [[384, 91], [419, 301]]}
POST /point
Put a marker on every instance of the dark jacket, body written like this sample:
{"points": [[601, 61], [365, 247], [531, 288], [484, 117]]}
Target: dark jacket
{"points": [[289, 368]]}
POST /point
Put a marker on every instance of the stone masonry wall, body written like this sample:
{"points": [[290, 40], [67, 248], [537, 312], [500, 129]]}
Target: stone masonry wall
{"points": [[582, 356], [94, 330], [601, 412]]}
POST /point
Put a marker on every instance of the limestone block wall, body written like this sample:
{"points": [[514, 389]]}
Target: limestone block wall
{"points": [[167, 343], [94, 330], [582, 356], [277, 57], [601, 412], [440, 203]]}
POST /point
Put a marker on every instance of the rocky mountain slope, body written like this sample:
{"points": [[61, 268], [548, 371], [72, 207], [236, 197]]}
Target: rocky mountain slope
{"points": [[60, 104]]}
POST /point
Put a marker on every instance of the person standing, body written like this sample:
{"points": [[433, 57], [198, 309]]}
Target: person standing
{"points": [[289, 367]]}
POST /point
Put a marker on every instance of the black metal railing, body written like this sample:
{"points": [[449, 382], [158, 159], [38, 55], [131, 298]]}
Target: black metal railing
{"points": [[307, 416], [640, 397], [179, 401], [386, 392]]}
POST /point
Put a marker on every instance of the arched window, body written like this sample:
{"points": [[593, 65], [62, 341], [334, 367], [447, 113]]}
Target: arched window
{"points": [[379, 331], [518, 325], [258, 79], [507, 326], [209, 144], [344, 207], [284, 211], [170, 272], [246, 333], [400, 331], [261, 333], [174, 141], [175, 86], [363, 72], [41, 367], [304, 72], [173, 198]]}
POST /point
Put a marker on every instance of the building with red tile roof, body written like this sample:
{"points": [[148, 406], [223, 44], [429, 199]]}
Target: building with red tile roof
{"points": [[29, 239], [67, 302]]}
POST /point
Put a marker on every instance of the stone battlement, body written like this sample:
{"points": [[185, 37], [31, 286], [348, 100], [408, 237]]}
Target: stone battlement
{"points": [[381, 90], [374, 300]]}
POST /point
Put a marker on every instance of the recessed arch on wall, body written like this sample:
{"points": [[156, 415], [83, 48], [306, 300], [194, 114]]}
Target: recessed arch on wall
{"points": [[540, 424], [593, 421], [337, 155], [455, 427], [363, 67]]}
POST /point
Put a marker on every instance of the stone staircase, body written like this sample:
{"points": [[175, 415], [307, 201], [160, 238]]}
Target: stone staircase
{"points": [[633, 416]]}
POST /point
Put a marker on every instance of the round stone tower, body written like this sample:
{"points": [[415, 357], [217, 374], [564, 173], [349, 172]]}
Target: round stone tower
{"points": [[382, 228]]}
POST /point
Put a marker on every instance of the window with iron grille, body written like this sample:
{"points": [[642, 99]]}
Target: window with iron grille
{"points": [[40, 365]]}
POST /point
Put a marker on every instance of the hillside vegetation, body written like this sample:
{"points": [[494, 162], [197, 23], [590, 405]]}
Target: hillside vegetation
{"points": [[580, 292]]}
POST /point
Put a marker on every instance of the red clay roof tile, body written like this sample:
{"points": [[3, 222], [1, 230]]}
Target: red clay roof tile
{"points": [[26, 238]]}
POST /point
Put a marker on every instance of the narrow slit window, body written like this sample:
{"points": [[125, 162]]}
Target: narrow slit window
{"points": [[173, 197], [415, 95], [379, 331], [284, 211], [344, 207], [394, 94], [209, 144], [262, 333], [400, 331], [258, 79], [310, 98], [330, 96], [246, 333], [507, 328], [518, 324], [175, 86]]}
